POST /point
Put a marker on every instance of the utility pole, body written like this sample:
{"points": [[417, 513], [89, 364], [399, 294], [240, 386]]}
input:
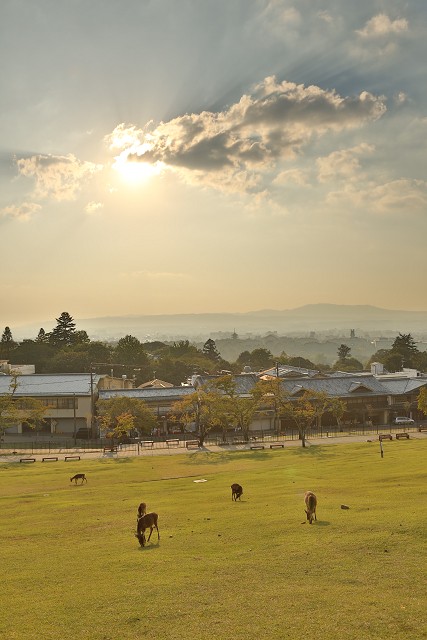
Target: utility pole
{"points": [[75, 421]]}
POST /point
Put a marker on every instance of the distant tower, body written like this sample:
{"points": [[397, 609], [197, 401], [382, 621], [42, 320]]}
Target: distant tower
{"points": [[234, 335], [352, 333]]}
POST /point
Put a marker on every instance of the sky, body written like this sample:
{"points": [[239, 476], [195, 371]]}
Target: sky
{"points": [[211, 156]]}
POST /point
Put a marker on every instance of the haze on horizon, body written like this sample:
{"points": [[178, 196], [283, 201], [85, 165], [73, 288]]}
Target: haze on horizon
{"points": [[163, 157]]}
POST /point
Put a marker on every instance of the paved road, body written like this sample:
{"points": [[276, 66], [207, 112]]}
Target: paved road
{"points": [[126, 453]]}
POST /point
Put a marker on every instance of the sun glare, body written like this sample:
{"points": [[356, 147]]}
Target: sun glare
{"points": [[134, 171]]}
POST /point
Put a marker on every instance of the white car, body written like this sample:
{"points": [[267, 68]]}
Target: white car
{"points": [[404, 421]]}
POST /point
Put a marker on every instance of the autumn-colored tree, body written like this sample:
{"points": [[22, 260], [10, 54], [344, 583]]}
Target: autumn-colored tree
{"points": [[114, 415], [337, 407], [195, 410], [305, 409], [422, 400], [15, 409], [274, 397]]}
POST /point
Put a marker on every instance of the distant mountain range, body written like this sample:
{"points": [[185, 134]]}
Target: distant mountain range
{"points": [[311, 317]]}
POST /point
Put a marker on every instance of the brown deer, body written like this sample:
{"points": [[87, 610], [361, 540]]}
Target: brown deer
{"points": [[79, 476], [236, 491], [311, 503], [149, 521], [142, 510]]}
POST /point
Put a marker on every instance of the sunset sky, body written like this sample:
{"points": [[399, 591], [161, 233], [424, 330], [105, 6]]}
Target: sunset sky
{"points": [[211, 156]]}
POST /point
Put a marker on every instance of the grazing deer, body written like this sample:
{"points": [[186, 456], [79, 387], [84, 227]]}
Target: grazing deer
{"points": [[236, 491], [149, 521], [142, 510], [311, 503], [79, 476]]}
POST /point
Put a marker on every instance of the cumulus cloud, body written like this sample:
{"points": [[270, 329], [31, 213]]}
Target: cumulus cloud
{"points": [[93, 206], [59, 177], [23, 211], [381, 25], [342, 164], [401, 98], [124, 136], [292, 175], [226, 148], [403, 196]]}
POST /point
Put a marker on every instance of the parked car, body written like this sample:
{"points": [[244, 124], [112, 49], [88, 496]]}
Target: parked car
{"points": [[83, 433], [404, 420], [174, 430]]}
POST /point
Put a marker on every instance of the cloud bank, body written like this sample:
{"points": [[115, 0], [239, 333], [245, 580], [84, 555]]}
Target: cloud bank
{"points": [[226, 148], [59, 177], [23, 211]]}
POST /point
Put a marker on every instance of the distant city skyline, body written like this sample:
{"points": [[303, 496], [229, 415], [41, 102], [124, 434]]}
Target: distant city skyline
{"points": [[211, 157]]}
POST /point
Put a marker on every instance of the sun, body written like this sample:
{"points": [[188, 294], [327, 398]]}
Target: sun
{"points": [[136, 171]]}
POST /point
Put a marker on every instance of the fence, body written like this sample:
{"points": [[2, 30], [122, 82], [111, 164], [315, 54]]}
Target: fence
{"points": [[174, 441]]}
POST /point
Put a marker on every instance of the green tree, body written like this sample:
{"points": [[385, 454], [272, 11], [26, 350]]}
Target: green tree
{"points": [[63, 334], [210, 350], [243, 358], [182, 348], [114, 415], [33, 352], [261, 358], [42, 336], [304, 363], [343, 352], [7, 343], [349, 364], [130, 351]]}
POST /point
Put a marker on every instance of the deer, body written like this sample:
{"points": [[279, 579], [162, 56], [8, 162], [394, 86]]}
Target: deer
{"points": [[311, 503], [149, 521], [236, 491], [142, 510], [79, 476]]}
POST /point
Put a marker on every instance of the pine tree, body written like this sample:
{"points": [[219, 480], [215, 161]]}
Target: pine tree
{"points": [[42, 336], [343, 352], [63, 334], [210, 350], [7, 343]]}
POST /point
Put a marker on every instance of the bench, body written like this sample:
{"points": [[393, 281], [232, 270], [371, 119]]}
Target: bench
{"points": [[385, 436], [50, 458], [173, 443], [27, 460], [257, 446], [422, 428], [111, 448], [192, 443], [147, 443], [400, 436], [71, 458], [274, 446]]}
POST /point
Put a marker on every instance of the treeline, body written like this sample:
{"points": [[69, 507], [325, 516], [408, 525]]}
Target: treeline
{"points": [[66, 350], [404, 354]]}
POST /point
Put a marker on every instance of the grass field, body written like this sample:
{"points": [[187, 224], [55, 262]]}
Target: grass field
{"points": [[72, 567]]}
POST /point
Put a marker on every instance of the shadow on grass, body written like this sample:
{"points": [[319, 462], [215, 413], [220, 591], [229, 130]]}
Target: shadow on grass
{"points": [[322, 523], [313, 449], [150, 547], [209, 457]]}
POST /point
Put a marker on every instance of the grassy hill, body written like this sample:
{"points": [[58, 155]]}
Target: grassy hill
{"points": [[73, 569]]}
